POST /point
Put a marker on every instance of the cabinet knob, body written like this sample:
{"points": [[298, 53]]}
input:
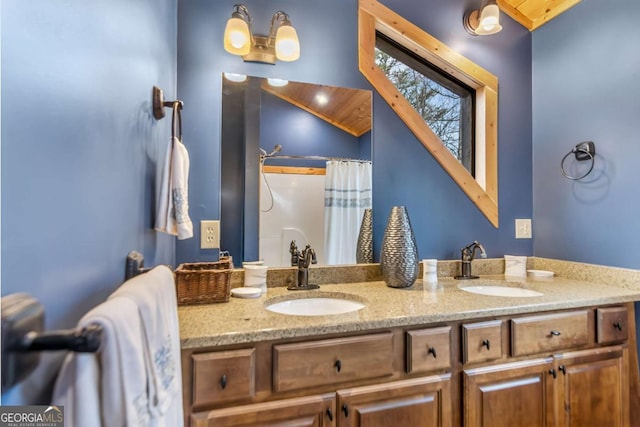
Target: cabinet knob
{"points": [[432, 350], [338, 365], [329, 414], [618, 326], [223, 381], [486, 343], [562, 369], [345, 410], [555, 333], [553, 372]]}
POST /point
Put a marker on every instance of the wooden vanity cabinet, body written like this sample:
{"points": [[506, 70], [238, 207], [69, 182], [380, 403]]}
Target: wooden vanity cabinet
{"points": [[422, 401], [592, 388], [580, 388], [309, 411], [506, 371], [510, 394]]}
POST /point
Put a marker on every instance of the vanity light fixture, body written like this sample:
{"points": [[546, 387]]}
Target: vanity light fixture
{"points": [[277, 82], [484, 21], [235, 77], [282, 42]]}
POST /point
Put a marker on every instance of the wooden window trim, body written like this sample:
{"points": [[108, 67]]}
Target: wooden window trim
{"points": [[483, 189]]}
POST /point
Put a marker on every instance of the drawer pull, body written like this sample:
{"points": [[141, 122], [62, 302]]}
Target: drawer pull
{"points": [[618, 326], [553, 372], [345, 410], [432, 350], [555, 333], [562, 369], [338, 365], [329, 414], [223, 381], [486, 343]]}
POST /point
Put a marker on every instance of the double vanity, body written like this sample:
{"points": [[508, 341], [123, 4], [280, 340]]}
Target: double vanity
{"points": [[536, 351]]}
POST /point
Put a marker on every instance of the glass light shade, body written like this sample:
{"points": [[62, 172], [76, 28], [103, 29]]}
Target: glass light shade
{"points": [[277, 82], [287, 43], [489, 22], [237, 39], [234, 77]]}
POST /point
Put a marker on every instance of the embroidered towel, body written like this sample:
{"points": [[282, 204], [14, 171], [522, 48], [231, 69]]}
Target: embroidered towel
{"points": [[107, 388], [155, 296], [172, 213]]}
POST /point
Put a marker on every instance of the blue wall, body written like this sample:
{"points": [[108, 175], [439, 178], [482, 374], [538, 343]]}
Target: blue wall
{"points": [[443, 218], [79, 151], [302, 134], [586, 86]]}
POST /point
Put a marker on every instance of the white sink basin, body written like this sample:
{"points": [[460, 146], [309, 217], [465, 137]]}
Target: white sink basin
{"points": [[315, 306], [500, 291]]}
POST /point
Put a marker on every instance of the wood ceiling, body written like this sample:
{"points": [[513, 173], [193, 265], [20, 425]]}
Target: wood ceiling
{"points": [[347, 109], [534, 13]]}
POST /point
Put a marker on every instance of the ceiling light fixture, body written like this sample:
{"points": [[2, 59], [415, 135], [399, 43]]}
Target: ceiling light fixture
{"points": [[322, 99], [282, 42], [484, 21]]}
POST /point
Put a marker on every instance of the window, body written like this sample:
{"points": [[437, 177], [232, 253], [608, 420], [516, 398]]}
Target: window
{"points": [[468, 151], [445, 104]]}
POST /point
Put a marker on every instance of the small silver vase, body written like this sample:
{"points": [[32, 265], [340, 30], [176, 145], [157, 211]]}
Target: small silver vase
{"points": [[364, 247], [399, 253]]}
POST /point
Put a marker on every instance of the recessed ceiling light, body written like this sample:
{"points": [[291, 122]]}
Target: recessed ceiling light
{"points": [[322, 99]]}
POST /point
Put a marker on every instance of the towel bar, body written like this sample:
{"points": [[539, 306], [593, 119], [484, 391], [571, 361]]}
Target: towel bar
{"points": [[85, 340], [23, 336]]}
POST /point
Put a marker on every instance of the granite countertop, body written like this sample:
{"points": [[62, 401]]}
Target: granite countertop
{"points": [[247, 320]]}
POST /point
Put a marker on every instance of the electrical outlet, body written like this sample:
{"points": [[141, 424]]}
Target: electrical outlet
{"points": [[209, 234], [523, 228]]}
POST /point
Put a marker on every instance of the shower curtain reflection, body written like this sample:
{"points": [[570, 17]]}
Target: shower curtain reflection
{"points": [[347, 195]]}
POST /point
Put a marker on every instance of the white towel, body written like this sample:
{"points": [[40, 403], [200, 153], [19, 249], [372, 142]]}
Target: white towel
{"points": [[107, 388], [172, 213], [155, 296]]}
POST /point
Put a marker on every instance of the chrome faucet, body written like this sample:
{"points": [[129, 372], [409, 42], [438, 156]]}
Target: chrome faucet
{"points": [[303, 259], [468, 253]]}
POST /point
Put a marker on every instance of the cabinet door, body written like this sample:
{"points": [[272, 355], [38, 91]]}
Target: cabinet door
{"points": [[510, 394], [312, 411], [593, 388], [416, 402]]}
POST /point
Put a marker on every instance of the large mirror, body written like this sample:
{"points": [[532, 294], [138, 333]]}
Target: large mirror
{"points": [[296, 166]]}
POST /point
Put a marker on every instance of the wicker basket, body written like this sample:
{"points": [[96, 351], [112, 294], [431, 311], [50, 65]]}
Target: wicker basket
{"points": [[204, 282]]}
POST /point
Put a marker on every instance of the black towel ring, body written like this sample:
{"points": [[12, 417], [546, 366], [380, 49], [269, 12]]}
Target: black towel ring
{"points": [[583, 151], [176, 120], [159, 103]]}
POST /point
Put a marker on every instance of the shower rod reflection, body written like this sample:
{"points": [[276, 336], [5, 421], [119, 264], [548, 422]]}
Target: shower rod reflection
{"points": [[339, 159]]}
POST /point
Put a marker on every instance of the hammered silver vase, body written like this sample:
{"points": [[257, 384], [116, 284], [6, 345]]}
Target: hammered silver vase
{"points": [[399, 253], [364, 246]]}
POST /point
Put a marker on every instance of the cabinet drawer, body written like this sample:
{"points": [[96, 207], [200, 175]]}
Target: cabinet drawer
{"points": [[481, 341], [549, 332], [332, 361], [428, 349], [223, 376], [612, 324]]}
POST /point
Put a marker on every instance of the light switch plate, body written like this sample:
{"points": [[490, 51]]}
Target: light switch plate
{"points": [[209, 234], [523, 228]]}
